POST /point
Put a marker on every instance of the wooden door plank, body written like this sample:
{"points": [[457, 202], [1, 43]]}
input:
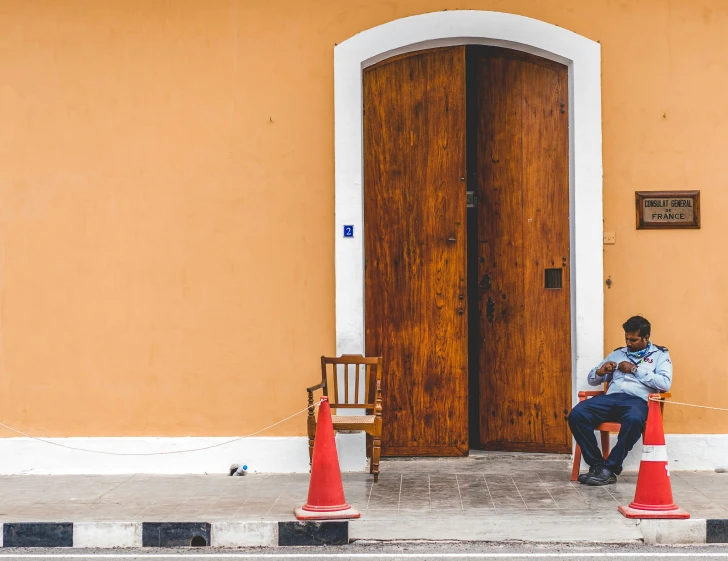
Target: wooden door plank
{"points": [[546, 242], [501, 245]]}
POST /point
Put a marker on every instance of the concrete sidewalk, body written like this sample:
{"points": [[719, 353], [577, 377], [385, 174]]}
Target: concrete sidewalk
{"points": [[488, 496]]}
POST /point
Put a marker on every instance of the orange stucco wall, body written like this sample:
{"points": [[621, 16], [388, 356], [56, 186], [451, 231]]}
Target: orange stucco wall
{"points": [[166, 202]]}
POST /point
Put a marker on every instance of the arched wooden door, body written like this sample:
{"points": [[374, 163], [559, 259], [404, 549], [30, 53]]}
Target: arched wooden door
{"points": [[437, 123]]}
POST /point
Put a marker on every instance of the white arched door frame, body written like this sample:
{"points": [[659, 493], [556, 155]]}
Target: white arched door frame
{"points": [[462, 27]]}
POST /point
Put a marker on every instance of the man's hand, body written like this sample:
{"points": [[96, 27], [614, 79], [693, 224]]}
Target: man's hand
{"points": [[625, 367], [607, 368]]}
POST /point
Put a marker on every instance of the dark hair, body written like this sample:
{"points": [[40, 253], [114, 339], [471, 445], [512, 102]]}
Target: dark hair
{"points": [[637, 323]]}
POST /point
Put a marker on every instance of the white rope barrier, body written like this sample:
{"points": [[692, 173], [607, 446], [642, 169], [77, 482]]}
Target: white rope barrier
{"points": [[660, 400], [161, 453]]}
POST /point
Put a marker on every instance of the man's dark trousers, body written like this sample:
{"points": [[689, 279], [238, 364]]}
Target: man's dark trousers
{"points": [[629, 410]]}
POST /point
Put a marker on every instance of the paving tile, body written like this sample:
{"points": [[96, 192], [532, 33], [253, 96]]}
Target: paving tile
{"points": [[511, 509], [415, 513], [705, 513], [444, 493], [380, 514], [415, 492], [474, 492], [566, 495], [504, 493], [154, 512], [385, 494], [533, 492], [552, 478], [253, 510]]}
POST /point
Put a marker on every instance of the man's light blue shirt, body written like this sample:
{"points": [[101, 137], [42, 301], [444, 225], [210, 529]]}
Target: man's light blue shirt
{"points": [[654, 373]]}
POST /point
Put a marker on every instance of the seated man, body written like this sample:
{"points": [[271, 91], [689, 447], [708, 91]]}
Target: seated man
{"points": [[633, 373]]}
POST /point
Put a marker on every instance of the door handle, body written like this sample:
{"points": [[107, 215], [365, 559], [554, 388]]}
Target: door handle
{"points": [[451, 240]]}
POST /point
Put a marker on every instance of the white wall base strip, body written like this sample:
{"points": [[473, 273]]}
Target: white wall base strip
{"points": [[265, 455], [244, 534], [107, 534], [261, 454], [673, 531], [685, 452], [654, 454]]}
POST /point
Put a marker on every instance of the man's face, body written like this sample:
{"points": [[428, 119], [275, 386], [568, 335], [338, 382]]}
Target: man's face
{"points": [[634, 341]]}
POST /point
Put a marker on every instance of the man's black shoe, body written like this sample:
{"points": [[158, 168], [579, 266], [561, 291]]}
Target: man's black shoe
{"points": [[582, 477], [602, 476]]}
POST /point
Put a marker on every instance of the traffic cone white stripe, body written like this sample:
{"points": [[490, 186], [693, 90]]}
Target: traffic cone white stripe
{"points": [[654, 453]]}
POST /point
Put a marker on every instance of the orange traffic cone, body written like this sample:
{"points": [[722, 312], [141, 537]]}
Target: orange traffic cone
{"points": [[653, 496], [325, 491]]}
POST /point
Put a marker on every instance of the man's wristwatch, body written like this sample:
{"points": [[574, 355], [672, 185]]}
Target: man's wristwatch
{"points": [[634, 369]]}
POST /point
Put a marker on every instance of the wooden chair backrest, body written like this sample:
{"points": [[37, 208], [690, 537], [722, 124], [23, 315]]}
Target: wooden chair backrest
{"points": [[342, 378]]}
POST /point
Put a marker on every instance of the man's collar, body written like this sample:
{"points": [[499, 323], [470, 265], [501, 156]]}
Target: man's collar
{"points": [[650, 348]]}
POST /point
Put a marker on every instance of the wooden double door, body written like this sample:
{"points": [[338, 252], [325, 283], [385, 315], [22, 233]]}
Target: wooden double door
{"points": [[468, 300]]}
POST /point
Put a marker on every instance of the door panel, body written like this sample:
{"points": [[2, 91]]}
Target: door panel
{"points": [[415, 248], [523, 230]]}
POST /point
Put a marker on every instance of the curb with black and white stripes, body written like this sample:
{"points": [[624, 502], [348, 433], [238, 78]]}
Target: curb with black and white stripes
{"points": [[271, 533], [172, 534]]}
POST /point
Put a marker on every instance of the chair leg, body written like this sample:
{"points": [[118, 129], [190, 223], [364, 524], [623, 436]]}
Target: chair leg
{"points": [[311, 428], [605, 443], [376, 449], [577, 463], [369, 452], [311, 440]]}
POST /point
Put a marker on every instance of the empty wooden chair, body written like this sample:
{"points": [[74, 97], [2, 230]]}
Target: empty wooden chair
{"points": [[348, 390]]}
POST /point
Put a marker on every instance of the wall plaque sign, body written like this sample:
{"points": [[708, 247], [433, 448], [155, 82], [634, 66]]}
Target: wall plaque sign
{"points": [[667, 209]]}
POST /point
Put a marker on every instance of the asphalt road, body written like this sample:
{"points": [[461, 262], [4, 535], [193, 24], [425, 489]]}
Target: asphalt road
{"points": [[404, 552]]}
